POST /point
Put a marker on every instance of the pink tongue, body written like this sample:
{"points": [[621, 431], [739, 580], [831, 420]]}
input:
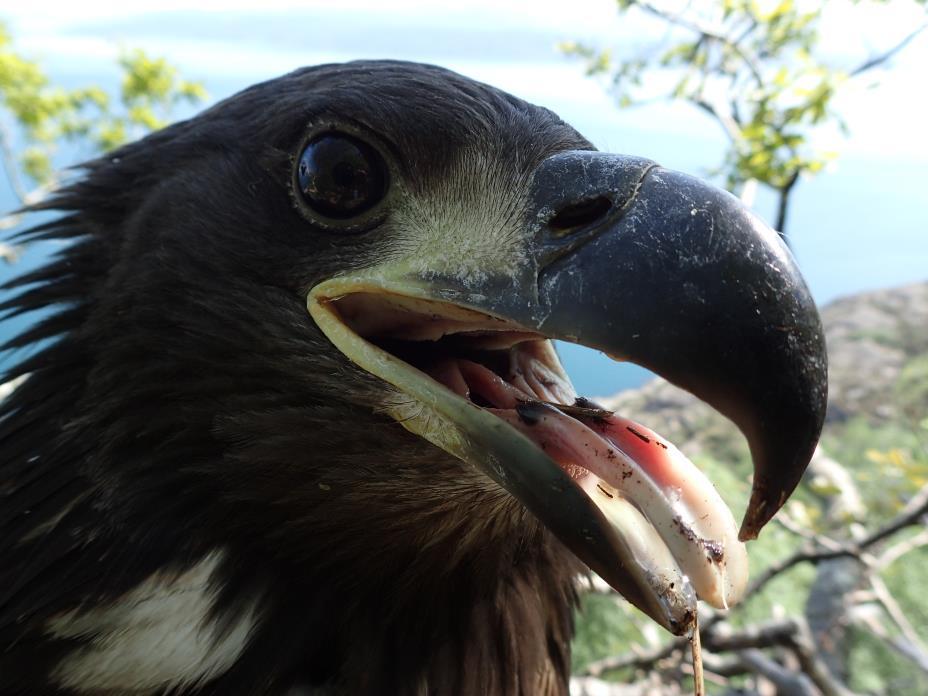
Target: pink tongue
{"points": [[569, 441], [680, 503], [612, 447], [646, 448]]}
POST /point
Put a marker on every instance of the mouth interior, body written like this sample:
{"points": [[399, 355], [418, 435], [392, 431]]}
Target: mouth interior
{"points": [[680, 534]]}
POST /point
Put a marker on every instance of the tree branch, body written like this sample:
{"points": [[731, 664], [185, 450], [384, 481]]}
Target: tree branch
{"points": [[895, 612], [881, 58], [706, 32], [645, 659], [811, 663], [787, 682], [907, 650], [783, 204], [897, 551], [766, 635], [792, 634], [817, 551], [729, 124]]}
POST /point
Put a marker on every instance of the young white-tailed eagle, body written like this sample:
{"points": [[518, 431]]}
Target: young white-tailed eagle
{"points": [[293, 422]]}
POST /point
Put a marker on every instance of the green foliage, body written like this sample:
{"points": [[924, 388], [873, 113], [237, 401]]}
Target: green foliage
{"points": [[605, 626], [889, 462], [874, 667], [46, 115], [750, 65], [912, 389], [608, 627]]}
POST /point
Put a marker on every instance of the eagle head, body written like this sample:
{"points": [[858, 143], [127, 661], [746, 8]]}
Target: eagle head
{"points": [[294, 418]]}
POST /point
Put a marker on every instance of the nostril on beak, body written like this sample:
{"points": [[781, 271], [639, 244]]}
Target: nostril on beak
{"points": [[580, 214]]}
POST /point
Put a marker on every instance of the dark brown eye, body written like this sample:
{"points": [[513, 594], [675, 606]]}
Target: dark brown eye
{"points": [[340, 176]]}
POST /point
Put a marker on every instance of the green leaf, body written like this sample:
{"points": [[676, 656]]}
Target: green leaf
{"points": [[45, 115]]}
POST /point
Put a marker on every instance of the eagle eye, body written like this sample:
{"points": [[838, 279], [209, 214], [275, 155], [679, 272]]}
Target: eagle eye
{"points": [[340, 176]]}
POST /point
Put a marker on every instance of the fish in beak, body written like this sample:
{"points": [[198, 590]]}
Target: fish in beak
{"points": [[649, 266]]}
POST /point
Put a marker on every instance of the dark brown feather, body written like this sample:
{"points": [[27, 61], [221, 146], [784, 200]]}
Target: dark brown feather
{"points": [[180, 399]]}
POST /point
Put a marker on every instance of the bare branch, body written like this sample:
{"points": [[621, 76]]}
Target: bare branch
{"points": [[811, 663], [699, 678], [594, 584], [818, 551], [783, 204], [907, 650], [641, 660], [707, 32], [729, 125], [897, 551], [764, 635], [916, 508], [727, 666], [895, 612], [881, 58], [786, 681], [792, 632]]}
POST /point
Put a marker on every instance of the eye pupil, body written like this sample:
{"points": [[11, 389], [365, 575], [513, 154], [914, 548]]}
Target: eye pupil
{"points": [[340, 176]]}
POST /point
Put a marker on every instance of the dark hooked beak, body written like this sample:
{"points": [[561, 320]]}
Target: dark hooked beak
{"points": [[681, 278], [647, 265]]}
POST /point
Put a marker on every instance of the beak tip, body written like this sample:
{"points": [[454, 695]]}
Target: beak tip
{"points": [[750, 528], [765, 502], [755, 517]]}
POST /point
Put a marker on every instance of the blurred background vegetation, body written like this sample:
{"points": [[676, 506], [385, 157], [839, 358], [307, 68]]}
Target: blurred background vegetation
{"points": [[841, 607], [840, 578]]}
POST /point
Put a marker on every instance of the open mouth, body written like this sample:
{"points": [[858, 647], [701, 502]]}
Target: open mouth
{"points": [[676, 539], [683, 280]]}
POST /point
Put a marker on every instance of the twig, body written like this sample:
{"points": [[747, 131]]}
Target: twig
{"points": [[708, 33], [729, 125], [814, 667], [792, 634], [913, 510], [814, 552], [777, 633], [786, 682], [789, 633], [897, 551], [644, 659], [881, 58], [764, 635], [699, 683], [895, 612], [907, 650]]}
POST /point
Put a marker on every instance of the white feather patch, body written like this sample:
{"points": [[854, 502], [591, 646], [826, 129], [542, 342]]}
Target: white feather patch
{"points": [[156, 636]]}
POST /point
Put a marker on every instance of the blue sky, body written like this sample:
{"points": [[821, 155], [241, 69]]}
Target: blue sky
{"points": [[863, 224]]}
